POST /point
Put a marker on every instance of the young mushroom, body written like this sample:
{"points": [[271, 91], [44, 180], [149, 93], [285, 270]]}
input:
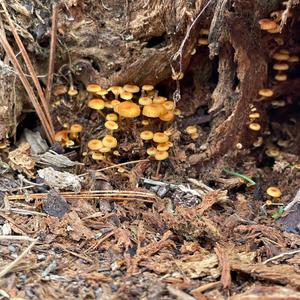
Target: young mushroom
{"points": [[111, 126], [267, 24], [75, 130], [130, 88], [266, 92], [274, 192], [146, 135], [254, 126], [93, 88], [109, 141], [116, 90], [94, 144]]}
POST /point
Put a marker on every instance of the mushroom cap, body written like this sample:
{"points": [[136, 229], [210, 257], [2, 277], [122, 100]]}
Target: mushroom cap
{"points": [[254, 126], [280, 56], [204, 31], [108, 104], [266, 92], [128, 109], [203, 41], [281, 77], [163, 146], [97, 104], [109, 141], [267, 24], [146, 135], [72, 91], [169, 105], [104, 149], [116, 90], [94, 144], [194, 136], [97, 156], [111, 117], [68, 143], [76, 128], [145, 101], [274, 192], [93, 88], [161, 155], [102, 92], [167, 117], [147, 87], [145, 122], [126, 95], [131, 88], [160, 137], [272, 152], [258, 142], [254, 115], [115, 102], [61, 136], [153, 110], [281, 67], [151, 151], [111, 125], [191, 129], [159, 99]]}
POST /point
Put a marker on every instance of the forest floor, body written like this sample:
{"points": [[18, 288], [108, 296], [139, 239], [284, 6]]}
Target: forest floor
{"points": [[130, 227], [79, 224]]}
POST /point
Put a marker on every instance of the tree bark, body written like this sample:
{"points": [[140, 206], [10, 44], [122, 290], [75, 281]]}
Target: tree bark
{"points": [[122, 41]]}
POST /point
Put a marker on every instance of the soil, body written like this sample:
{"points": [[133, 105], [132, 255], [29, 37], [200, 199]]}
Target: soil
{"points": [[197, 225]]}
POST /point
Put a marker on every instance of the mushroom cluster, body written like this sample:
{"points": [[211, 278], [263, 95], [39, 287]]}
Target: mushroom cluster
{"points": [[69, 137], [122, 109]]}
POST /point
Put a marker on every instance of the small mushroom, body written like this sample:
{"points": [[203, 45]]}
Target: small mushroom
{"points": [[274, 192]]}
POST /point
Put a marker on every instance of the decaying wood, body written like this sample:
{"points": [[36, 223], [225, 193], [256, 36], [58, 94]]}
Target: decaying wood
{"points": [[122, 41]]}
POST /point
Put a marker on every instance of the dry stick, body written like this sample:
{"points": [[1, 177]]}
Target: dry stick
{"points": [[27, 86], [122, 164], [16, 238], [52, 52], [14, 263], [31, 70]]}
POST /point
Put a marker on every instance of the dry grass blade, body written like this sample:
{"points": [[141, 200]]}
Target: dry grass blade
{"points": [[27, 86], [52, 52], [45, 106]]}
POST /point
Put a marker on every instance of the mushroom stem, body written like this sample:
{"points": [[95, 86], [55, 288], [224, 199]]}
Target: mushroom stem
{"points": [[101, 113], [158, 169]]}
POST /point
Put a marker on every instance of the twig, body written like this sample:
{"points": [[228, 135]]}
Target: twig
{"points": [[180, 50], [16, 238], [90, 195], [282, 255], [14, 263], [74, 253], [53, 43], [23, 212], [123, 164]]}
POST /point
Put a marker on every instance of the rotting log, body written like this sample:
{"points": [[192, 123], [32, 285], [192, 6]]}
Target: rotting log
{"points": [[120, 41]]}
